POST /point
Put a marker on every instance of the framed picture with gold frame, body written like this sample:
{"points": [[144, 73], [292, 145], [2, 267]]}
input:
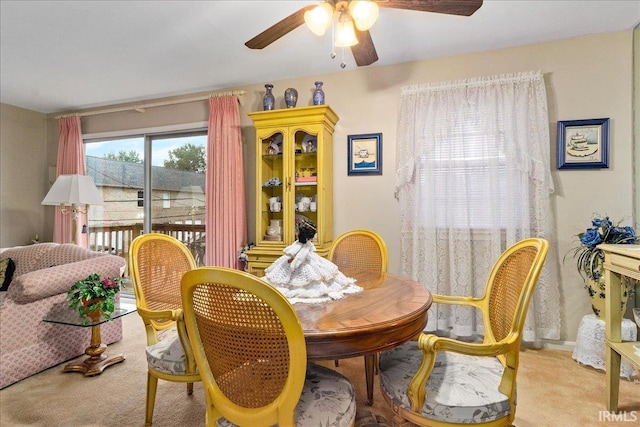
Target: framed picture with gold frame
{"points": [[364, 154], [583, 144]]}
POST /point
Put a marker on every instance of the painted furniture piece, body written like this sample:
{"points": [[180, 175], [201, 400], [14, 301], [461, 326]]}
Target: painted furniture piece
{"points": [[440, 381], [43, 275], [294, 176], [250, 350], [619, 261], [157, 263], [389, 312], [97, 360]]}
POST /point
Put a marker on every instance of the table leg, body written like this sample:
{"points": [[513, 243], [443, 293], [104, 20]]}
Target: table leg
{"points": [[369, 370], [612, 362], [97, 360]]}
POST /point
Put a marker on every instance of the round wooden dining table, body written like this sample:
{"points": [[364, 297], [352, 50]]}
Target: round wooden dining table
{"points": [[390, 311]]}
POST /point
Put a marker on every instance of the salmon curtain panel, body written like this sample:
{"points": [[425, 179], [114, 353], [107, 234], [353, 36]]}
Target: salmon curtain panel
{"points": [[226, 218], [70, 162]]}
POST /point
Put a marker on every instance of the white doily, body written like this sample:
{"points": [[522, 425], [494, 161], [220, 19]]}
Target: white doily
{"points": [[589, 349]]}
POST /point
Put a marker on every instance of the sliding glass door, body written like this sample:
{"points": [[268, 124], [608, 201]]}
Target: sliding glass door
{"points": [[149, 183], [177, 197]]}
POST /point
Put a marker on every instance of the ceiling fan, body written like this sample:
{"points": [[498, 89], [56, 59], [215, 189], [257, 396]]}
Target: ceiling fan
{"points": [[364, 52]]}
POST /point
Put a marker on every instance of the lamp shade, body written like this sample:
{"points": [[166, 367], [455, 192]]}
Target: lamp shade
{"points": [[364, 13], [319, 18], [73, 190], [345, 33]]}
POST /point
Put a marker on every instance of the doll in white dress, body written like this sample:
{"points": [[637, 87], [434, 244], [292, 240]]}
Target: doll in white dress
{"points": [[304, 276]]}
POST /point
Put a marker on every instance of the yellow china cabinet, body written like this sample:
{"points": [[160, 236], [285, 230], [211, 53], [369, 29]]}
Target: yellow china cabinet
{"points": [[294, 178]]}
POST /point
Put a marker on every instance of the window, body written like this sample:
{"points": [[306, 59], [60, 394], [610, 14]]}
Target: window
{"points": [[472, 178], [152, 182], [468, 165]]}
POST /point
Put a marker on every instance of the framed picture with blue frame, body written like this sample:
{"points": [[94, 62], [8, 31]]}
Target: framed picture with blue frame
{"points": [[583, 144], [364, 154]]}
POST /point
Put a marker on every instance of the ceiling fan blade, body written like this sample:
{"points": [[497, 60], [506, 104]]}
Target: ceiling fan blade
{"points": [[364, 52], [279, 29], [451, 7]]}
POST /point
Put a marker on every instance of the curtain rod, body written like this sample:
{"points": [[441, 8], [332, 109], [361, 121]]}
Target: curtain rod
{"points": [[142, 107]]}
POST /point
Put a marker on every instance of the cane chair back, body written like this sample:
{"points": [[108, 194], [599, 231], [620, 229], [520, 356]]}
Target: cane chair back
{"points": [[416, 378], [361, 249], [157, 263], [251, 353]]}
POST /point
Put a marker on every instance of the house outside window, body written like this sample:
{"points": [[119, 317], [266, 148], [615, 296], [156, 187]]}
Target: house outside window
{"points": [[149, 183]]}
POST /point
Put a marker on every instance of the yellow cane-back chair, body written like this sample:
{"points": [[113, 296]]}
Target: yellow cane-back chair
{"points": [[365, 250], [361, 249], [157, 263], [251, 353], [440, 381]]}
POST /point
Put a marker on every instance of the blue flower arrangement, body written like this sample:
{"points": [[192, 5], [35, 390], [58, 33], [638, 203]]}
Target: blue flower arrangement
{"points": [[588, 257]]}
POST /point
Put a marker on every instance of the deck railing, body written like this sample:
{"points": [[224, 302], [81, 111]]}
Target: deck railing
{"points": [[117, 239]]}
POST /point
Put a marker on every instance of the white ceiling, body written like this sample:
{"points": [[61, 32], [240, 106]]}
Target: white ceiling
{"points": [[66, 55]]}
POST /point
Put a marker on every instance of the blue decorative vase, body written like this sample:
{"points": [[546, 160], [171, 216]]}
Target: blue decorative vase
{"points": [[318, 94], [290, 97], [268, 101]]}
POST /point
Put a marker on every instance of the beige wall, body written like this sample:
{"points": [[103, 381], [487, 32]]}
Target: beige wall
{"points": [[588, 77], [23, 174]]}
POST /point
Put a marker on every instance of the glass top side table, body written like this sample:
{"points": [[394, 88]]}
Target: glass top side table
{"points": [[97, 359]]}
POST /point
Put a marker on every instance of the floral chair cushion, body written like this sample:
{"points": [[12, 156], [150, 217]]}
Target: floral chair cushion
{"points": [[328, 400], [167, 355], [461, 389]]}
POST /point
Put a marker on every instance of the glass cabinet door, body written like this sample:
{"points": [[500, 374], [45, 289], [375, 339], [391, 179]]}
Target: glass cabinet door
{"points": [[305, 165], [273, 177]]}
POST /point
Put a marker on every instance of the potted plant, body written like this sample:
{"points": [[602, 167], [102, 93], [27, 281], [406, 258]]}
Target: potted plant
{"points": [[94, 296], [589, 258]]}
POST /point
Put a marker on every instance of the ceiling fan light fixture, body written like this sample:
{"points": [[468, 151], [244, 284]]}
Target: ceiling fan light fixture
{"points": [[319, 18], [364, 13], [345, 32]]}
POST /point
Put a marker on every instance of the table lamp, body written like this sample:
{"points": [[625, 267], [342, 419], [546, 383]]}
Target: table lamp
{"points": [[76, 191]]}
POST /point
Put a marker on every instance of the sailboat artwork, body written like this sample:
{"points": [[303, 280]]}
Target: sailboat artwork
{"points": [[365, 154], [367, 159]]}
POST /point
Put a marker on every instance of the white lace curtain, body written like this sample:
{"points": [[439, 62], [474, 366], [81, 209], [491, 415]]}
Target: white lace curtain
{"points": [[473, 178]]}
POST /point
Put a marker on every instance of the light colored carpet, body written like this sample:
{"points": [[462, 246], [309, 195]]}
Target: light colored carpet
{"points": [[553, 390]]}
